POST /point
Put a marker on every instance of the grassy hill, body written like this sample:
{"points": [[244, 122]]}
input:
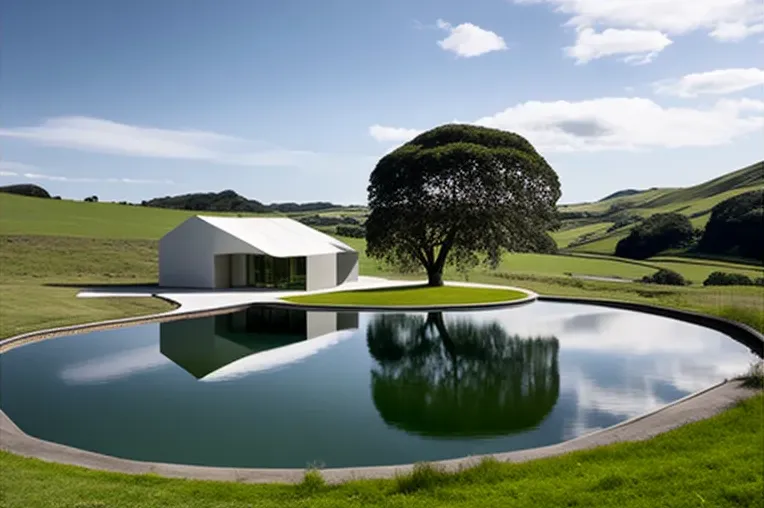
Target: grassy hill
{"points": [[587, 227]]}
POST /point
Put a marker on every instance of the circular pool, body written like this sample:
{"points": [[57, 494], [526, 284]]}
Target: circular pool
{"points": [[284, 388]]}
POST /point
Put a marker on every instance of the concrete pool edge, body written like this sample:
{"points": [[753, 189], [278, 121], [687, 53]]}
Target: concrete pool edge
{"points": [[697, 406]]}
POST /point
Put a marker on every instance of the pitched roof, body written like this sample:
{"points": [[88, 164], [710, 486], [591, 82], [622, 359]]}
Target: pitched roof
{"points": [[278, 236]]}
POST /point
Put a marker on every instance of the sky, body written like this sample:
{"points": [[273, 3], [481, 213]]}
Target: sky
{"points": [[297, 100]]}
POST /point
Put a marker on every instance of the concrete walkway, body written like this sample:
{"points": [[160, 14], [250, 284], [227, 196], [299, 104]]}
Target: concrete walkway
{"points": [[197, 300]]}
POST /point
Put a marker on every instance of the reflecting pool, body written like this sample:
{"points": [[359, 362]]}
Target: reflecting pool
{"points": [[274, 387]]}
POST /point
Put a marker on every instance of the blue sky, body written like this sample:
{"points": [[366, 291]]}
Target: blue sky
{"points": [[296, 100]]}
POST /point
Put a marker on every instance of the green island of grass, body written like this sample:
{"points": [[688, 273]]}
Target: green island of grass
{"points": [[412, 296]]}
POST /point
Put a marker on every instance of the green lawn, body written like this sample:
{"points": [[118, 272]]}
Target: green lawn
{"points": [[39, 277], [412, 296], [716, 462], [565, 237]]}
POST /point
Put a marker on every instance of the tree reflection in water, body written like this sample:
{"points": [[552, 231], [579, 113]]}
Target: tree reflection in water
{"points": [[459, 378]]}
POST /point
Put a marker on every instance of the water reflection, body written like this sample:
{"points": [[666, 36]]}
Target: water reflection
{"points": [[256, 339], [460, 378]]}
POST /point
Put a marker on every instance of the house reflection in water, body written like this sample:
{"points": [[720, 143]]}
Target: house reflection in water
{"points": [[203, 346]]}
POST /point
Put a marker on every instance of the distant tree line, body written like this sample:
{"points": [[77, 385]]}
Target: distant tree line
{"points": [[26, 189], [230, 201]]}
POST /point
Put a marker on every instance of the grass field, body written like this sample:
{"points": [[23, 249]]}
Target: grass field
{"points": [[695, 202], [412, 296], [81, 244], [716, 462]]}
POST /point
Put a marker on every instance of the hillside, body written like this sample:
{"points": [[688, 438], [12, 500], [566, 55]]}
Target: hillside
{"points": [[597, 227]]}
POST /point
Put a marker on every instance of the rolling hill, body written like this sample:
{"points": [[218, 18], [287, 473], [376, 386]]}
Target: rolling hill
{"points": [[594, 227]]}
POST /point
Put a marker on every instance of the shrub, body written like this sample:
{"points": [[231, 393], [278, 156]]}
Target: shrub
{"points": [[657, 233], [665, 278], [727, 279], [623, 221], [351, 231]]}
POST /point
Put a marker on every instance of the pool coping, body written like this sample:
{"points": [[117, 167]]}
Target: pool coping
{"points": [[696, 406]]}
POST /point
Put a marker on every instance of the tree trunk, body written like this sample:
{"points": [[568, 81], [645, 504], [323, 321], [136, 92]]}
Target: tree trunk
{"points": [[434, 277]]}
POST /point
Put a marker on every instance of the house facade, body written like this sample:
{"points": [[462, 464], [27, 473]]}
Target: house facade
{"points": [[253, 252]]}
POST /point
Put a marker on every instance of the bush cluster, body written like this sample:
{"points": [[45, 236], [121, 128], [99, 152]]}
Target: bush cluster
{"points": [[351, 231], [732, 279], [655, 234], [665, 278]]}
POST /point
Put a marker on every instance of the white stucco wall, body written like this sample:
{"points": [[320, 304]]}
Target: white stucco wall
{"points": [[238, 270], [186, 257], [347, 267], [222, 270], [321, 272]]}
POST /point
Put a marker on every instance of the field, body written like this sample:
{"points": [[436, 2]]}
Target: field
{"points": [[589, 233], [51, 248]]}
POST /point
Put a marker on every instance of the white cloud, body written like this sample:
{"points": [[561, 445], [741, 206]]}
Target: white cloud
{"points": [[12, 168], [29, 172], [717, 82], [736, 31], [383, 134], [468, 40], [719, 17], [640, 28], [104, 136], [113, 367], [627, 123], [639, 46]]}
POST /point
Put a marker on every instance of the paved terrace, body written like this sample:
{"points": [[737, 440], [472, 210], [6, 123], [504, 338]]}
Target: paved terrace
{"points": [[202, 300]]}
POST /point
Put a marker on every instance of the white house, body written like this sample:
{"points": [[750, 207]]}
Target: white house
{"points": [[260, 252]]}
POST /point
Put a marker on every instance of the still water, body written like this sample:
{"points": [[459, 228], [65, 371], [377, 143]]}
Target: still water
{"points": [[270, 387]]}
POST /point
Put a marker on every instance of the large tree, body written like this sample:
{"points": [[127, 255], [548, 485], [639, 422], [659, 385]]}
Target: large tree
{"points": [[458, 377], [736, 227], [459, 194]]}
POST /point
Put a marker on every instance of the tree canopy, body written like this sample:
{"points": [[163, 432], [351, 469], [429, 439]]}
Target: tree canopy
{"points": [[26, 189], [456, 378], [736, 227], [460, 194], [657, 233]]}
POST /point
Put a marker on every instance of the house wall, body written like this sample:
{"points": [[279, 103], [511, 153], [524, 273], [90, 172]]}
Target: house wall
{"points": [[347, 267], [238, 270], [321, 272], [186, 258], [223, 271]]}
